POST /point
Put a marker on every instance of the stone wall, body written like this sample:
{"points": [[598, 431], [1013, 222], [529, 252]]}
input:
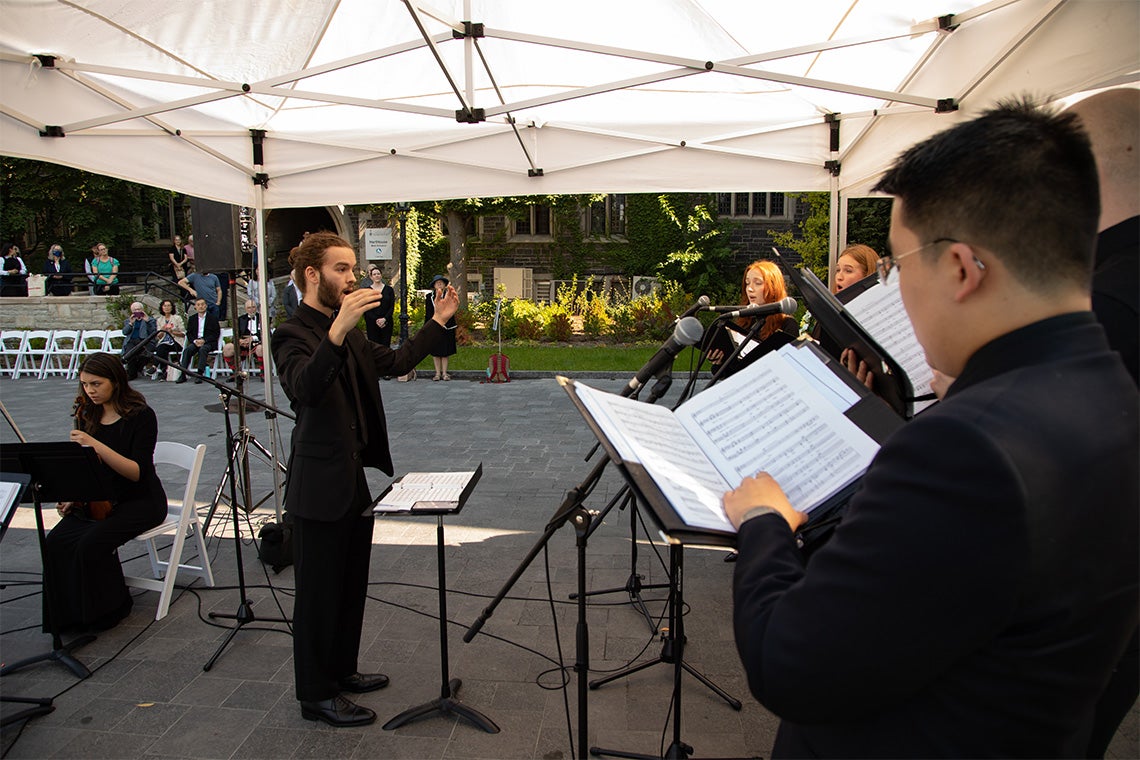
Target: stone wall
{"points": [[59, 313]]}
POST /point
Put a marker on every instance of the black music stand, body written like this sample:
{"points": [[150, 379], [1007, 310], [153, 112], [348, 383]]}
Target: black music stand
{"points": [[448, 703], [58, 471]]}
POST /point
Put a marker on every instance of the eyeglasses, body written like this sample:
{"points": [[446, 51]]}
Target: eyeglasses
{"points": [[886, 264]]}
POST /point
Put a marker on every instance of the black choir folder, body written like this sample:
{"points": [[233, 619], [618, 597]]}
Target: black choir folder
{"points": [[428, 493], [794, 413]]}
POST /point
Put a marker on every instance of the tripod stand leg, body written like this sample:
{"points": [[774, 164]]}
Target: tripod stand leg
{"points": [[732, 701]]}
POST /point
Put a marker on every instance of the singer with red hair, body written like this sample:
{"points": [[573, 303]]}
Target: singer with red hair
{"points": [[762, 283], [80, 561]]}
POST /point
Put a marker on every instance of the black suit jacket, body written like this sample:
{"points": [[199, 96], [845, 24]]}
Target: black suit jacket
{"points": [[243, 327], [983, 582], [210, 333], [1116, 289], [336, 432], [57, 283]]}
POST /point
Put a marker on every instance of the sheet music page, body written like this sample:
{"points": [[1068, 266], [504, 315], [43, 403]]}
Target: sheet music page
{"points": [[880, 311], [9, 492], [651, 436], [430, 488], [769, 417]]}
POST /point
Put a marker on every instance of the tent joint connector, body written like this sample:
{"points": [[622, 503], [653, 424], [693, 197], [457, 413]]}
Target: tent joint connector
{"points": [[470, 115], [832, 167], [52, 130], [947, 23], [47, 61], [946, 105], [261, 178], [470, 29], [534, 172]]}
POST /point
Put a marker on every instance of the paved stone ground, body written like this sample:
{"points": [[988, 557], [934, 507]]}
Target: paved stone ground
{"points": [[149, 697]]}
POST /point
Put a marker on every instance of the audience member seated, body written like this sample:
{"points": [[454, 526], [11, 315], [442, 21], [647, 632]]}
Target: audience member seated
{"points": [[171, 341], [248, 338], [202, 332], [57, 273], [14, 280], [106, 270], [85, 588], [138, 328]]}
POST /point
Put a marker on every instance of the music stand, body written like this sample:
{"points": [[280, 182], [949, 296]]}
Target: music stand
{"points": [[448, 703], [58, 471]]}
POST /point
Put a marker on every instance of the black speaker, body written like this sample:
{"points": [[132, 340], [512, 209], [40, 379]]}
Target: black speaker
{"points": [[217, 235]]}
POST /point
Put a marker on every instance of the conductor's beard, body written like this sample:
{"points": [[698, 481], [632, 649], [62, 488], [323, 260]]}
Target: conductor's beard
{"points": [[328, 295]]}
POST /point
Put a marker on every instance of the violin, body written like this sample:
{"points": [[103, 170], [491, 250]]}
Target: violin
{"points": [[97, 510]]}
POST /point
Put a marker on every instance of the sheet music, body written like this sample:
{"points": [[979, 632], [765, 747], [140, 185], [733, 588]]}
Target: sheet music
{"points": [[651, 436], [770, 417], [9, 493], [425, 490], [880, 311]]}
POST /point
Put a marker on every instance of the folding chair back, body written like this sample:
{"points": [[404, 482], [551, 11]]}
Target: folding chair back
{"points": [[181, 522], [90, 342], [63, 354], [11, 346], [34, 354]]}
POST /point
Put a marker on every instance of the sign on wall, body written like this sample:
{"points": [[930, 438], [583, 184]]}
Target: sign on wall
{"points": [[378, 244]]}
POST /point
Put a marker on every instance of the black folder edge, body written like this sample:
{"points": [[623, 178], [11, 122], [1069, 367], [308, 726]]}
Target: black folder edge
{"points": [[891, 381], [87, 479], [870, 413], [463, 496], [7, 511], [722, 340]]}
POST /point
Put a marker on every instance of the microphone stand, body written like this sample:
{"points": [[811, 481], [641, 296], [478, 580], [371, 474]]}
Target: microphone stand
{"points": [[244, 614]]}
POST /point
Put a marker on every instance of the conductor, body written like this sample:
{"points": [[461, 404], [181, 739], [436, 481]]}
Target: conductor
{"points": [[330, 372]]}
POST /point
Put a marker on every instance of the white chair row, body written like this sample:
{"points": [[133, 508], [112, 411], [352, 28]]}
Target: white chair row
{"points": [[40, 353]]}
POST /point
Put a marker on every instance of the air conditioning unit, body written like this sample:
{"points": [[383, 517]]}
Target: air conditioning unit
{"points": [[644, 286]]}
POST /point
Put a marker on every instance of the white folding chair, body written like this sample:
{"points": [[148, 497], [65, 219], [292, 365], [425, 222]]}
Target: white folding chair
{"points": [[220, 366], [113, 343], [11, 346], [63, 354], [34, 354], [90, 342], [181, 522]]}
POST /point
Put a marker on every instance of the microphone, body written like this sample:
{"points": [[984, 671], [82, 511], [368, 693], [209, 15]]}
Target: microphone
{"points": [[785, 306], [138, 348], [701, 303], [688, 331]]}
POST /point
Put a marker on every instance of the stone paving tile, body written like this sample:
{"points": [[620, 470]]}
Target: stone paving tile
{"points": [[149, 697]]}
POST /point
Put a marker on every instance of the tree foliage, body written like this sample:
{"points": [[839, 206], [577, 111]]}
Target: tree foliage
{"points": [[42, 204], [868, 222]]}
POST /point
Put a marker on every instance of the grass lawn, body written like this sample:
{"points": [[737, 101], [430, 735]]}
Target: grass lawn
{"points": [[561, 357]]}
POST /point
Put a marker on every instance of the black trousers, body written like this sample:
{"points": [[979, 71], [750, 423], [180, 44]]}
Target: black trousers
{"points": [[203, 353], [330, 568]]}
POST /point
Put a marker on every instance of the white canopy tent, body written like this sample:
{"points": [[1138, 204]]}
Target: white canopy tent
{"points": [[286, 103], [358, 99]]}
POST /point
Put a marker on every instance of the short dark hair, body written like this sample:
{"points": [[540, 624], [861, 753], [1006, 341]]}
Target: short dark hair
{"points": [[311, 253], [1020, 181]]}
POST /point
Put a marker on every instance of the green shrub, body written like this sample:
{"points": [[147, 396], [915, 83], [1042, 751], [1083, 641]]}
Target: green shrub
{"points": [[521, 320], [596, 320], [557, 324]]}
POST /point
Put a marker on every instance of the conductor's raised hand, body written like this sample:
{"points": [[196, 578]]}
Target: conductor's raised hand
{"points": [[352, 308], [446, 307], [760, 491]]}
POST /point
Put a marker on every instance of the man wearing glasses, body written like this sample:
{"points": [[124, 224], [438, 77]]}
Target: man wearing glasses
{"points": [[984, 580]]}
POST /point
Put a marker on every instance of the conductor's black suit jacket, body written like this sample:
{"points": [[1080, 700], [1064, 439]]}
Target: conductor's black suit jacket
{"points": [[339, 429]]}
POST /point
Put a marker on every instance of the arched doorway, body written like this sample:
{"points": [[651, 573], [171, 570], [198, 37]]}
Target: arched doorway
{"points": [[284, 228]]}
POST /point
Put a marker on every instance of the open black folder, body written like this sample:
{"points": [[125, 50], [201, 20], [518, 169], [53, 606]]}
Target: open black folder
{"points": [[795, 413], [869, 318]]}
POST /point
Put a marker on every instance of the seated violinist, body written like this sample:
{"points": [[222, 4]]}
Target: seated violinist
{"points": [[81, 566]]}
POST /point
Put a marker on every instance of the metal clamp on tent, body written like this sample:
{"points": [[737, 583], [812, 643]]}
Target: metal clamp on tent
{"points": [[470, 29], [946, 105], [470, 115], [832, 167]]}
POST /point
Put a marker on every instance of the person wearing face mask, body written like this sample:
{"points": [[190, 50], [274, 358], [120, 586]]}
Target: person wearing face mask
{"points": [[57, 273]]}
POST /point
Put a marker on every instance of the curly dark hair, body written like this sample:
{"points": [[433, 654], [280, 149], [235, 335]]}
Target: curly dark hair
{"points": [[126, 400]]}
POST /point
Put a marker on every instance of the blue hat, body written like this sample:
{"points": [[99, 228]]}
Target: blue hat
{"points": [[438, 278]]}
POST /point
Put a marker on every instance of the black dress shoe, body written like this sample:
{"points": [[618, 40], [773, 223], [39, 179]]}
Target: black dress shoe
{"points": [[338, 711], [361, 683], [181, 379]]}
